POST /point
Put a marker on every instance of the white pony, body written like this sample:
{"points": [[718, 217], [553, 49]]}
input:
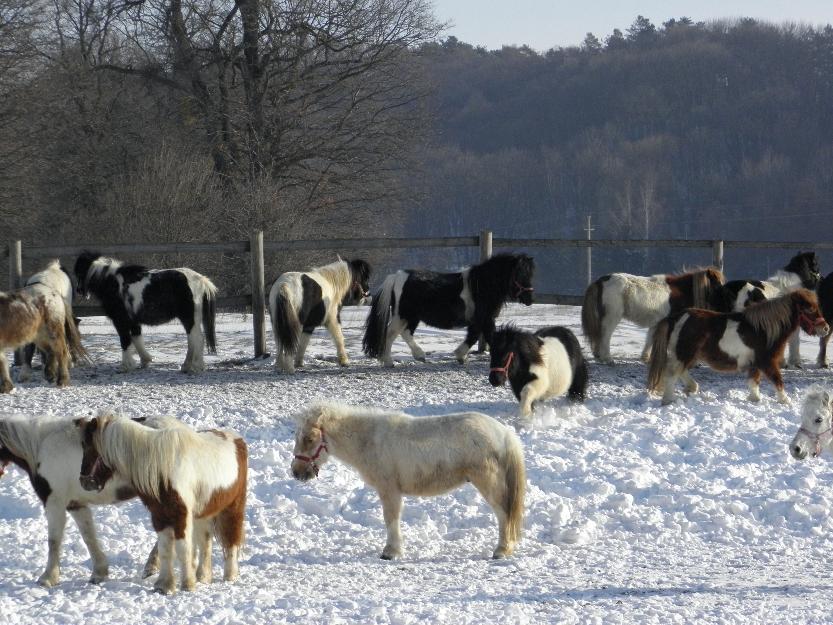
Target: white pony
{"points": [[193, 484], [53, 277], [816, 430], [299, 302], [49, 450], [645, 301], [398, 455]]}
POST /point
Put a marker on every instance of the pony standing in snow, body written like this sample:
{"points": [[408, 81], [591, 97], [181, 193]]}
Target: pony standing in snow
{"points": [[751, 340], [645, 301], [472, 299], [299, 302], [816, 430], [801, 272], [56, 278], [193, 484], [49, 450], [400, 455], [35, 315], [132, 296], [538, 365]]}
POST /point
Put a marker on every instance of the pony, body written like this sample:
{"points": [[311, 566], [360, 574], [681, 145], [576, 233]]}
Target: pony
{"points": [[35, 315], [398, 455], [301, 301], [192, 483], [54, 277], [538, 365], [753, 339], [132, 295], [472, 298], [801, 272], [48, 450], [816, 430], [825, 295], [645, 301]]}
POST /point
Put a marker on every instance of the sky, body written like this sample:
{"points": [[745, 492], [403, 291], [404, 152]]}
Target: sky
{"points": [[544, 24]]}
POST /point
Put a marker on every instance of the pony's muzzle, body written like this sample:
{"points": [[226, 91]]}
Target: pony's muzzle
{"points": [[303, 472], [497, 379]]}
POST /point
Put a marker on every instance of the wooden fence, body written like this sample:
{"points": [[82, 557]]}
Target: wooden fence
{"points": [[256, 248]]}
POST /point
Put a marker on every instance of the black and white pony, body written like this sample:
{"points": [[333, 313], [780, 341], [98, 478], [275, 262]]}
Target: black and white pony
{"points": [[538, 365], [132, 296], [801, 272], [825, 294], [55, 278], [471, 298], [299, 302]]}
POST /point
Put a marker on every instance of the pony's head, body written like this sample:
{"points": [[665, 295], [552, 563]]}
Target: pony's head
{"points": [[806, 266], [809, 315], [81, 270], [816, 430], [522, 279], [94, 473], [360, 281], [509, 347], [311, 450]]}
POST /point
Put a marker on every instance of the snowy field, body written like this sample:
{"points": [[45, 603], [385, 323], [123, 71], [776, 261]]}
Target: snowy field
{"points": [[635, 513]]}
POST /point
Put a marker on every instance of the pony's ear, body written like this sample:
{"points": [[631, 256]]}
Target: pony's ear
{"points": [[80, 422]]}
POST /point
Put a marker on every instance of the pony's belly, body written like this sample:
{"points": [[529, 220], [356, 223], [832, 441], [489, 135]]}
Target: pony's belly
{"points": [[733, 346]]}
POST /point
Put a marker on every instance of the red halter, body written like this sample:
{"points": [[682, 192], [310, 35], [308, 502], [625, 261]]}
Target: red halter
{"points": [[828, 433], [808, 322], [322, 446], [521, 288], [505, 368]]}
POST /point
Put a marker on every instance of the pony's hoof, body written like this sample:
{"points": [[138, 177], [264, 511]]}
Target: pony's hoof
{"points": [[783, 399], [388, 364], [500, 554], [188, 585], [150, 571], [389, 553], [753, 398], [666, 401], [344, 363], [48, 581], [823, 365], [97, 578], [165, 588], [6, 387], [24, 376]]}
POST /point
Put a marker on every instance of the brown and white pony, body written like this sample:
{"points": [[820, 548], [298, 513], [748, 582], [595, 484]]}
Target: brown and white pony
{"points": [[193, 484], [645, 301], [752, 340], [36, 316], [398, 454]]}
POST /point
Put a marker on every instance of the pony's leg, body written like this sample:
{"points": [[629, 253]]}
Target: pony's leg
{"points": [[795, 350], [194, 362], [230, 567], [335, 330], [56, 518], [391, 510], [673, 370], [152, 563], [202, 543], [186, 557], [84, 520], [6, 385], [472, 334], [25, 373], [493, 491], [165, 583], [754, 384], [611, 318], [303, 343], [691, 386], [408, 335], [774, 374], [138, 342], [127, 348], [821, 359], [395, 328], [649, 341], [530, 393]]}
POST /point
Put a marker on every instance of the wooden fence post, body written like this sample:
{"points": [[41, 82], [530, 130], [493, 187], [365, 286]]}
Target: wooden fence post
{"points": [[485, 254], [589, 267], [717, 254], [258, 293], [16, 281]]}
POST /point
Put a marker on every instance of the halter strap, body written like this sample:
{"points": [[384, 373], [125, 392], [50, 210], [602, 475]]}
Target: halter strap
{"points": [[818, 321], [322, 446], [521, 288], [98, 462], [828, 433], [505, 368]]}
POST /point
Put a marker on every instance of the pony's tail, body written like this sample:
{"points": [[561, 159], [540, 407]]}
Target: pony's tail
{"points": [[578, 388], [513, 503], [376, 326], [591, 315], [659, 354], [76, 349], [209, 316], [285, 324]]}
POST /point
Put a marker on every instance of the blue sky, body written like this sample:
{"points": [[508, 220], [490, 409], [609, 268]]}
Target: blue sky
{"points": [[543, 24]]}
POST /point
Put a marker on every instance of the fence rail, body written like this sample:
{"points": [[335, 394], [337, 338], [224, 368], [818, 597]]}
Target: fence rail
{"points": [[256, 248]]}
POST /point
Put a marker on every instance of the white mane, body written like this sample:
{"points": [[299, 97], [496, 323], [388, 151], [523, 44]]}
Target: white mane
{"points": [[338, 274], [785, 281], [23, 434], [103, 265]]}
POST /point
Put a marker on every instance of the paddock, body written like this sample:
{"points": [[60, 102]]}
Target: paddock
{"points": [[635, 512]]}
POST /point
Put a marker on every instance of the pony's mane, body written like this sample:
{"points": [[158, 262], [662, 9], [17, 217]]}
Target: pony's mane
{"points": [[772, 316], [23, 435], [515, 339], [143, 455], [814, 400], [491, 281], [701, 280], [319, 413], [338, 274]]}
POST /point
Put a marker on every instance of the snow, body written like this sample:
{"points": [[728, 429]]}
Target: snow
{"points": [[635, 513]]}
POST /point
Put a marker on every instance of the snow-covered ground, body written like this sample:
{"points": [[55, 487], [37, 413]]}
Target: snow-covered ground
{"points": [[635, 513]]}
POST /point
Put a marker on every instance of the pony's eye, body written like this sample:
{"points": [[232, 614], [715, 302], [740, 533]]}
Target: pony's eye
{"points": [[819, 419]]}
